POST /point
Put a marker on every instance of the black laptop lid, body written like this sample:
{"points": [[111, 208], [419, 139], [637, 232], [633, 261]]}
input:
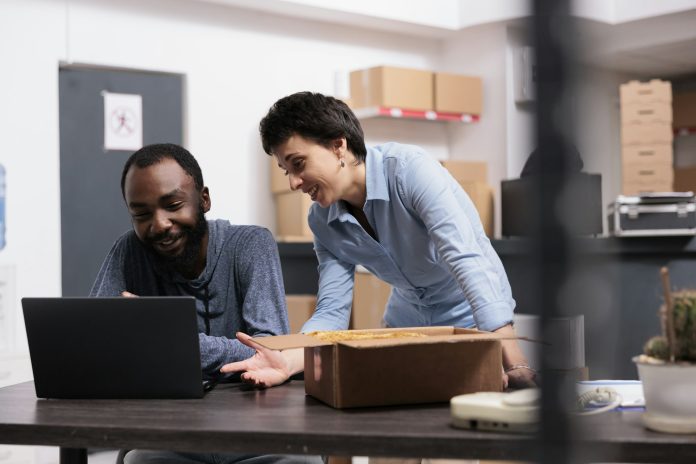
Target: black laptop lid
{"points": [[143, 347]]}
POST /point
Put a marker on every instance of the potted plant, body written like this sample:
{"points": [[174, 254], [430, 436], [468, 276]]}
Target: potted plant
{"points": [[667, 369]]}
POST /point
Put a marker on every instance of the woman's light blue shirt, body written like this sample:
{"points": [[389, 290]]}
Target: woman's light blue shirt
{"points": [[431, 248]]}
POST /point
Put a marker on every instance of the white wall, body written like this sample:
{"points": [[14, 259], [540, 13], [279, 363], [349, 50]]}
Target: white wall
{"points": [[237, 63], [481, 51]]}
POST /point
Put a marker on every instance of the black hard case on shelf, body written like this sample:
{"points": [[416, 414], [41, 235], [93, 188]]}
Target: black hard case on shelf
{"points": [[669, 213]]}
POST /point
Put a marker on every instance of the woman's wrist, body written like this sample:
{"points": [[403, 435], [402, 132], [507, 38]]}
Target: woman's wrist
{"points": [[515, 367]]}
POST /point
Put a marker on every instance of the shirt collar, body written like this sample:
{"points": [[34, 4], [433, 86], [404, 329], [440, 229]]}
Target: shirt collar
{"points": [[375, 182]]}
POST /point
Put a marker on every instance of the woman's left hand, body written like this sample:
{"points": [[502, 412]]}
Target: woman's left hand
{"points": [[521, 377]]}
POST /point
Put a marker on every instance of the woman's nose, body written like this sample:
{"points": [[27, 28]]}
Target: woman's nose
{"points": [[295, 181]]}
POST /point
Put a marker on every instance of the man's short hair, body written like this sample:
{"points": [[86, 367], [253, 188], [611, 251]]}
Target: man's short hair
{"points": [[314, 116], [153, 154]]}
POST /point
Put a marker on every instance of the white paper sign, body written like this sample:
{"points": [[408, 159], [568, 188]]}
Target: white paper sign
{"points": [[123, 121]]}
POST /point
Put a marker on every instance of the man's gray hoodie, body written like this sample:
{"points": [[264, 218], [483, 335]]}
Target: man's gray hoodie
{"points": [[240, 289]]}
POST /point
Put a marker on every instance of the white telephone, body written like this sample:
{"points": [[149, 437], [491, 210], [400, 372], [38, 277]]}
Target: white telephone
{"points": [[517, 411]]}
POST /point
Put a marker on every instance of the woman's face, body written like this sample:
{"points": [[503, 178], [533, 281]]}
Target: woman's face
{"points": [[313, 168]]}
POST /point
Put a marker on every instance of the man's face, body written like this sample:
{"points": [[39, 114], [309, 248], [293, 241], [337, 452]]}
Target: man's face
{"points": [[168, 212]]}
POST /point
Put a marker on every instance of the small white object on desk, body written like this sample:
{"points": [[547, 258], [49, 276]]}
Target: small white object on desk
{"points": [[503, 412]]}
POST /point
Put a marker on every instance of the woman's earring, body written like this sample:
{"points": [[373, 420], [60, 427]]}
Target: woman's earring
{"points": [[343, 165]]}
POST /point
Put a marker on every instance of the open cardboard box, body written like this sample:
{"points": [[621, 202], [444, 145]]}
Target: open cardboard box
{"points": [[449, 361]]}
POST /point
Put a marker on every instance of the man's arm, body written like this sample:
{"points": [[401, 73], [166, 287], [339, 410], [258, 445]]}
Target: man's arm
{"points": [[257, 275], [111, 279]]}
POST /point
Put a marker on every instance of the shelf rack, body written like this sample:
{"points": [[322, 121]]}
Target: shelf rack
{"points": [[426, 115]]}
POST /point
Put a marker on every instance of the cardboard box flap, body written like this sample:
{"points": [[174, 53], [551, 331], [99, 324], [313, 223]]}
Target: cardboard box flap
{"points": [[285, 342], [434, 335], [431, 339]]}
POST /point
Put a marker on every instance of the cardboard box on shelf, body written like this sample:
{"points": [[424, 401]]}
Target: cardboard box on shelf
{"points": [[646, 92], [388, 371], [685, 179], [455, 93], [280, 183], [646, 113], [647, 154], [481, 195], [467, 171], [300, 309], [646, 134], [370, 295], [292, 209], [646, 174], [636, 188], [684, 110], [392, 87]]}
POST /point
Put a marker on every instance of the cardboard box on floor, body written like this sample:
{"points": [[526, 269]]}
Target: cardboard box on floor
{"points": [[292, 209], [481, 195], [392, 87], [447, 362], [467, 171], [370, 295], [300, 309], [472, 176], [279, 181]]}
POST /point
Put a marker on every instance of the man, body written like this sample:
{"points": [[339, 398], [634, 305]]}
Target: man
{"points": [[232, 271]]}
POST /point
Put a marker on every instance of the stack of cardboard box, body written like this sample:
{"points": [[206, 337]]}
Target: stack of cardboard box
{"points": [[472, 176], [292, 208], [416, 89], [370, 295], [300, 309], [646, 137]]}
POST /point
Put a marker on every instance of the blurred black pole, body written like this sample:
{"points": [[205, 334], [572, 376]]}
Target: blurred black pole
{"points": [[552, 37]]}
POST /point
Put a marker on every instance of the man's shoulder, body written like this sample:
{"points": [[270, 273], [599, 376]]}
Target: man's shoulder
{"points": [[128, 241], [234, 235]]}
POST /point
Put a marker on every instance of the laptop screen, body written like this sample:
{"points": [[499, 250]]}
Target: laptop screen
{"points": [[144, 347]]}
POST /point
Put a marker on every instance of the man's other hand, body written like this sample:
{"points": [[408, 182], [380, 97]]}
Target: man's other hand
{"points": [[267, 368]]}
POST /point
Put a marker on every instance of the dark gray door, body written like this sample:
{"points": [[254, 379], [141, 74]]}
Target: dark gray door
{"points": [[93, 214]]}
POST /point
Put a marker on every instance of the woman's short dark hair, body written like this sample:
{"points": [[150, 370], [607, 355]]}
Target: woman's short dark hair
{"points": [[314, 116], [153, 154]]}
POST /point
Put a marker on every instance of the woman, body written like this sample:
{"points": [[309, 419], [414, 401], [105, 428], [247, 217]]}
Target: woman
{"points": [[396, 211]]}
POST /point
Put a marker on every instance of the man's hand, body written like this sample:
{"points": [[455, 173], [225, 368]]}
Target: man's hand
{"points": [[267, 368], [128, 294]]}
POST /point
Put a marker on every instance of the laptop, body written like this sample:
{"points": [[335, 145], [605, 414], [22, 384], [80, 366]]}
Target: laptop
{"points": [[144, 347]]}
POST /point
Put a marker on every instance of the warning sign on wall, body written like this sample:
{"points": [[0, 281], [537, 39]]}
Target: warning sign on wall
{"points": [[123, 121]]}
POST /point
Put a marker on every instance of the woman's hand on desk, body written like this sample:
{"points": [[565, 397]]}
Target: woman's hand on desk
{"points": [[267, 368]]}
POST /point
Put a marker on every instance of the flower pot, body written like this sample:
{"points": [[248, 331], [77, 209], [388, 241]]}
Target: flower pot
{"points": [[668, 388]]}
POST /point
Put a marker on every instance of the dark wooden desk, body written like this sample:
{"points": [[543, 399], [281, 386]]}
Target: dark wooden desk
{"points": [[232, 418]]}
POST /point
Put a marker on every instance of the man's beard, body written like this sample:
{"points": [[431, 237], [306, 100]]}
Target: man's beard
{"points": [[187, 258]]}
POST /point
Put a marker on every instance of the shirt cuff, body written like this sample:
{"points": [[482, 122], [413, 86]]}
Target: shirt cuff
{"points": [[493, 316]]}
